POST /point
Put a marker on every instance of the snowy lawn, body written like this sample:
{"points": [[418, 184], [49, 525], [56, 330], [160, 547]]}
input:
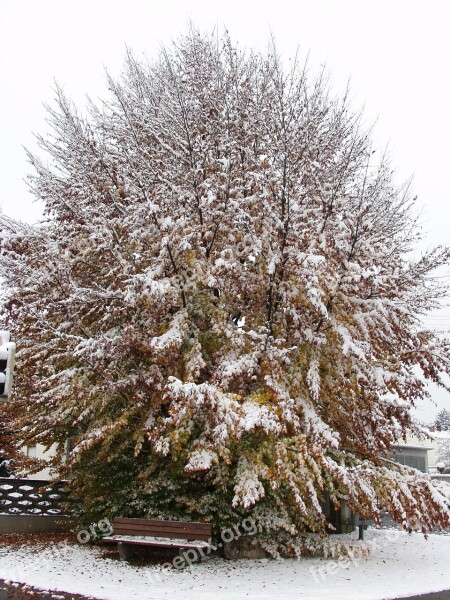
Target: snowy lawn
{"points": [[399, 565]]}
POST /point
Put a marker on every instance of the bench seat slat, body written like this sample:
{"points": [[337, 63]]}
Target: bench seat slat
{"points": [[165, 534], [149, 541]]}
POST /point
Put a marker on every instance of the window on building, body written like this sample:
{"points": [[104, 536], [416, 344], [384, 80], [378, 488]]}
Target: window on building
{"points": [[409, 460]]}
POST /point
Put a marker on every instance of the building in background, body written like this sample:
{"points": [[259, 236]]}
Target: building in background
{"points": [[39, 451], [421, 454], [415, 454]]}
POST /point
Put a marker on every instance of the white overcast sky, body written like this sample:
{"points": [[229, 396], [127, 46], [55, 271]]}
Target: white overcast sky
{"points": [[395, 53]]}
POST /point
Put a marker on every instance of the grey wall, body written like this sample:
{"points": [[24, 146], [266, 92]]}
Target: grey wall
{"points": [[33, 524]]}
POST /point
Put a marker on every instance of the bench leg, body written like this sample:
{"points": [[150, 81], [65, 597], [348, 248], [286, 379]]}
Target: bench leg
{"points": [[125, 551]]}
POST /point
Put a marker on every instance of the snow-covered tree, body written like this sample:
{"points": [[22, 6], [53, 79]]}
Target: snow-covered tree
{"points": [[221, 311], [442, 422], [10, 455], [443, 450]]}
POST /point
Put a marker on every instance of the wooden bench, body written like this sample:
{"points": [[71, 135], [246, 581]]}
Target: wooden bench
{"points": [[179, 535]]}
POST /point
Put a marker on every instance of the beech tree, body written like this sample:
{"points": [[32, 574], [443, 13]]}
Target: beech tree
{"points": [[222, 309], [8, 449], [13, 461]]}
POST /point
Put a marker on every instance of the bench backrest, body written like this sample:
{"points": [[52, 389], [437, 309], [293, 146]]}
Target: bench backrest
{"points": [[168, 529]]}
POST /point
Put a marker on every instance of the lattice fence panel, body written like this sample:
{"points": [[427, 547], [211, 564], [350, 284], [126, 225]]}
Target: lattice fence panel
{"points": [[33, 497]]}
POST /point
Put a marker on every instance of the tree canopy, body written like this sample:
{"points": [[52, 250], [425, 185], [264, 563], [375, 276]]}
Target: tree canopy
{"points": [[222, 309], [442, 422]]}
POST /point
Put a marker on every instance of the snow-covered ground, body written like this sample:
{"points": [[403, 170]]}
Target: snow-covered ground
{"points": [[399, 565]]}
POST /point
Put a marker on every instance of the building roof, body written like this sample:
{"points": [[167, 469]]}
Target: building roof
{"points": [[411, 447]]}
